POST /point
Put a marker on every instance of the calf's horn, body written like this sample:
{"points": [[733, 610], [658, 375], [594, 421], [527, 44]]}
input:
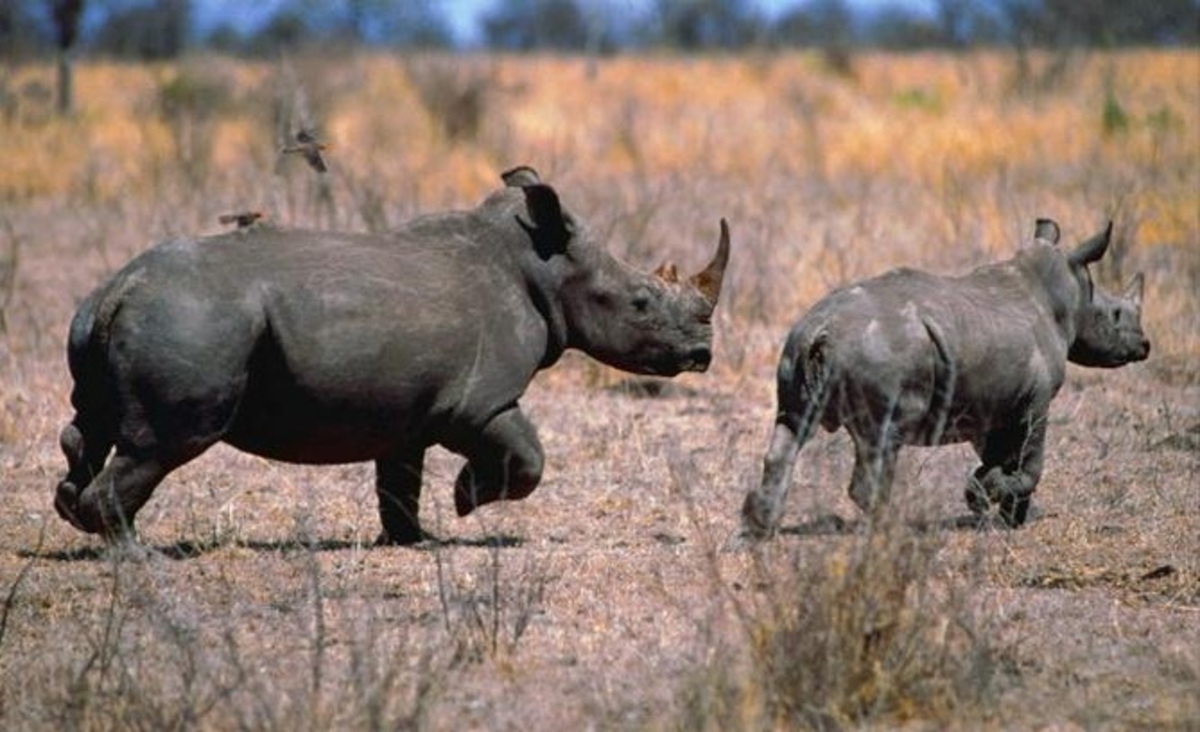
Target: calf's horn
{"points": [[709, 280]]}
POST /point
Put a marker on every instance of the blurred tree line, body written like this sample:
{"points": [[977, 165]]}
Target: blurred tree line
{"points": [[155, 29]]}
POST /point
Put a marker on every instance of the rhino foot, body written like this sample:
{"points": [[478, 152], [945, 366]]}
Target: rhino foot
{"points": [[66, 503], [743, 540], [1014, 509], [991, 492], [406, 538]]}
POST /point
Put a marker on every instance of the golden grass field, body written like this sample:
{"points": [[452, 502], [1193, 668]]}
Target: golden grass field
{"points": [[605, 601]]}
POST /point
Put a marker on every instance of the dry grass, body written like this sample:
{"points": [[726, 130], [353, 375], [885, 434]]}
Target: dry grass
{"points": [[604, 600]]}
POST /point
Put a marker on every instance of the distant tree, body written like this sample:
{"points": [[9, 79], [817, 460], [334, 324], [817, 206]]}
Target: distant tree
{"points": [[389, 23], [20, 32], [702, 24], [817, 23], [396, 23], [898, 26], [1100, 22], [226, 37], [287, 28], [526, 25], [66, 14], [146, 30], [953, 24]]}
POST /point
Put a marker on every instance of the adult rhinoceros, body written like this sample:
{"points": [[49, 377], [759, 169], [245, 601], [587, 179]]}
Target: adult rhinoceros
{"points": [[921, 359], [328, 347]]}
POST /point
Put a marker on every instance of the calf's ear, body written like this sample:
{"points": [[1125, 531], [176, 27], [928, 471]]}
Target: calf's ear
{"points": [[1046, 230], [1093, 249], [547, 225], [520, 176]]}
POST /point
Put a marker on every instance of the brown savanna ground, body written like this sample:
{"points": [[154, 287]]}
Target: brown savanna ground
{"points": [[604, 600]]}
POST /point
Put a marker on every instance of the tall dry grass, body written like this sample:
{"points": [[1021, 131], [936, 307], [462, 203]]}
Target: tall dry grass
{"points": [[923, 159], [240, 618]]}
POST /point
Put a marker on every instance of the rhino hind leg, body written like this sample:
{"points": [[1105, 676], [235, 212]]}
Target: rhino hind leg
{"points": [[398, 487], [503, 463], [874, 473], [108, 504], [802, 394], [763, 506], [85, 459]]}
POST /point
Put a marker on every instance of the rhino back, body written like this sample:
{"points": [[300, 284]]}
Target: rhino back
{"points": [[900, 340]]}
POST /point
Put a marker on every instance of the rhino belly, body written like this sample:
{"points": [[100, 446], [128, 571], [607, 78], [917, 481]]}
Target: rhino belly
{"points": [[288, 423]]}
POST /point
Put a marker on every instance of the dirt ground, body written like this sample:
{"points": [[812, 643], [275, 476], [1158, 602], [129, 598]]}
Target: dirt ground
{"points": [[594, 601]]}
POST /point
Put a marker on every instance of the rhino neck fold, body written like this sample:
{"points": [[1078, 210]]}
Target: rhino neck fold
{"points": [[556, 325], [1054, 287]]}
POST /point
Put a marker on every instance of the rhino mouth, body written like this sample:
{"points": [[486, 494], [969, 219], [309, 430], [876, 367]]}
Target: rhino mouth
{"points": [[697, 359]]}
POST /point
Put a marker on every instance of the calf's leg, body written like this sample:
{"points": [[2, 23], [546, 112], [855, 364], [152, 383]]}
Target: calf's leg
{"points": [[801, 395], [874, 471], [763, 505], [504, 462], [1011, 466]]}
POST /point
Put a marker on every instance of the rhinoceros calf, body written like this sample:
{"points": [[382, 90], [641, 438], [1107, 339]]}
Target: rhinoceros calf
{"points": [[920, 359], [323, 347]]}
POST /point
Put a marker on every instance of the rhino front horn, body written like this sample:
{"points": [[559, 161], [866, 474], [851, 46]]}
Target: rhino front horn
{"points": [[709, 281]]}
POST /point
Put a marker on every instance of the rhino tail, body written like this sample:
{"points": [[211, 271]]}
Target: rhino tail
{"points": [[944, 376], [815, 380], [87, 440]]}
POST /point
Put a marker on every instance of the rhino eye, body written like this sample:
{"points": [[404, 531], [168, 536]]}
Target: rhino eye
{"points": [[1117, 316], [641, 303]]}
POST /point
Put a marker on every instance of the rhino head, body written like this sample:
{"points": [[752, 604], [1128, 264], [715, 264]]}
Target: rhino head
{"points": [[1108, 328], [647, 323]]}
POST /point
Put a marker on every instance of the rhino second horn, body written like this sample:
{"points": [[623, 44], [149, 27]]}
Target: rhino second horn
{"points": [[667, 272], [709, 281]]}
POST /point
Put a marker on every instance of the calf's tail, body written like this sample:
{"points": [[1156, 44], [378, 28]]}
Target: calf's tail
{"points": [[804, 386], [944, 376]]}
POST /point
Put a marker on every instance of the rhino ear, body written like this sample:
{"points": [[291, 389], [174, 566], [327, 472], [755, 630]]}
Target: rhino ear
{"points": [[1046, 230], [547, 224], [1092, 249], [520, 176]]}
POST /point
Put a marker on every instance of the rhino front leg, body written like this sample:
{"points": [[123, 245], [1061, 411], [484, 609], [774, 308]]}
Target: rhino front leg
{"points": [[1012, 460], [504, 462], [398, 488]]}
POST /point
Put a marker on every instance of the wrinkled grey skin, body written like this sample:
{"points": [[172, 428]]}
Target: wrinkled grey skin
{"points": [[324, 347], [911, 358]]}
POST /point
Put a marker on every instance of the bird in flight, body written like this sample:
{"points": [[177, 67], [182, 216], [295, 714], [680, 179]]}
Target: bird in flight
{"points": [[306, 144]]}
